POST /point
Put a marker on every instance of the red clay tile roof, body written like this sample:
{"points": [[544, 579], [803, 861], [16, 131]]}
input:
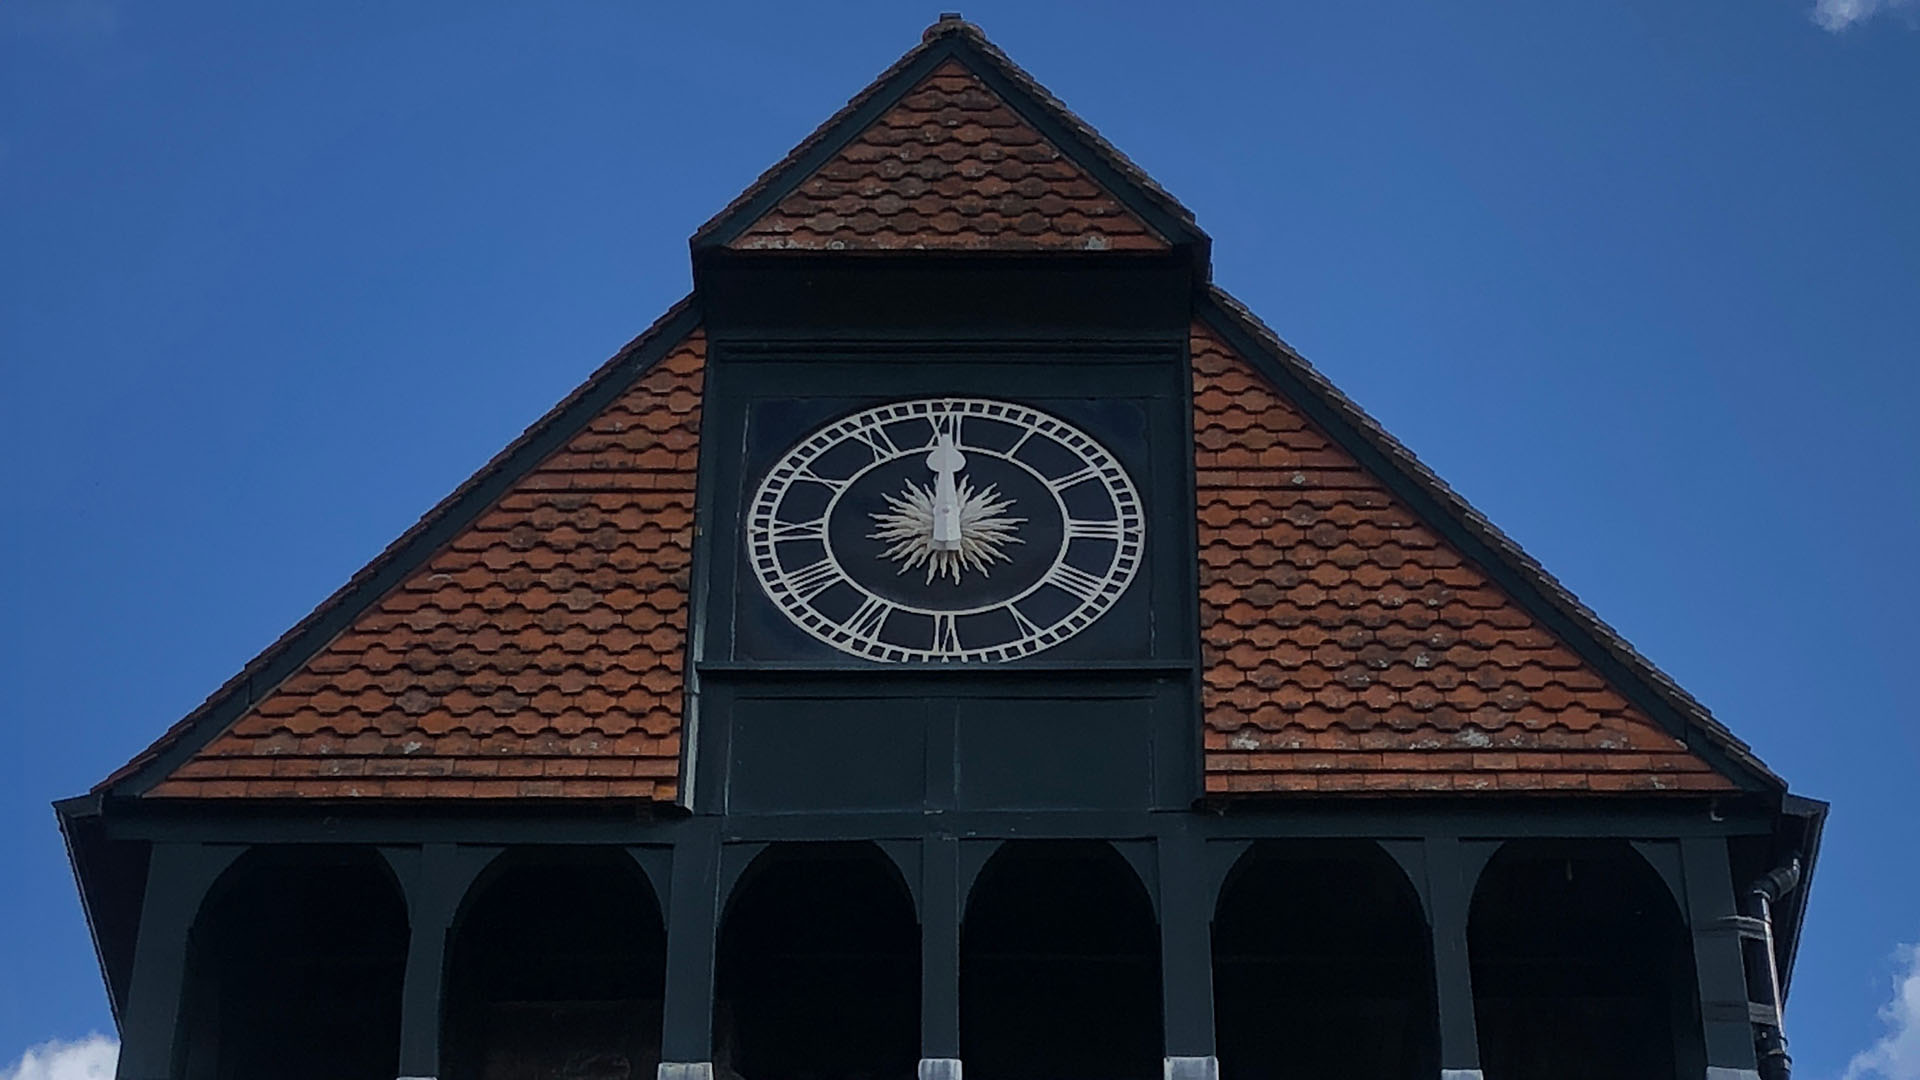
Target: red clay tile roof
{"points": [[538, 653], [1601, 644], [951, 167], [941, 119], [1348, 648], [1347, 645], [1364, 629]]}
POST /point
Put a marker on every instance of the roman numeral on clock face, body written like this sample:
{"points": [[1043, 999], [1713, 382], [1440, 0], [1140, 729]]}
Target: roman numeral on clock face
{"points": [[944, 424], [783, 531], [878, 441], [833, 482], [1072, 579], [946, 634], [813, 579], [871, 616], [1078, 476], [1080, 529], [1026, 626]]}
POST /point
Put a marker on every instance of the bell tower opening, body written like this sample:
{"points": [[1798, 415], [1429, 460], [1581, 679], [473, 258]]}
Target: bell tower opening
{"points": [[1060, 967], [556, 969], [818, 971], [1582, 967], [1321, 966], [295, 970]]}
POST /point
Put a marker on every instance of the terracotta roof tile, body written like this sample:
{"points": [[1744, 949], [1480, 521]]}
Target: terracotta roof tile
{"points": [[1495, 547], [950, 167], [961, 38], [537, 654], [1348, 648]]}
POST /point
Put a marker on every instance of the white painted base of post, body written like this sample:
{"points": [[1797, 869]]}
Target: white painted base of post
{"points": [[1190, 1068], [1721, 1072], [685, 1070], [1461, 1074], [939, 1069]]}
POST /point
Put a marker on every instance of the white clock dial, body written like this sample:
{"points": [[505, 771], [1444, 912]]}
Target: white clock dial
{"points": [[945, 529]]}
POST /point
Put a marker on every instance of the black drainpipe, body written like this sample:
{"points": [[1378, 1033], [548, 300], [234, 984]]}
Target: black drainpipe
{"points": [[1763, 974]]}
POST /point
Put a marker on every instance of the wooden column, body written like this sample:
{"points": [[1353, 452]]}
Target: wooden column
{"points": [[940, 914], [1712, 916], [686, 1027], [435, 879], [1452, 869], [1186, 959], [178, 877]]}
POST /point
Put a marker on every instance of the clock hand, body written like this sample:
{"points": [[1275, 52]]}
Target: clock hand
{"points": [[946, 461]]}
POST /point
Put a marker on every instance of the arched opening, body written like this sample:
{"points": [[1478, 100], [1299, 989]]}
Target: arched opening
{"points": [[1059, 967], [1322, 967], [556, 969], [818, 970], [295, 969], [1582, 968]]}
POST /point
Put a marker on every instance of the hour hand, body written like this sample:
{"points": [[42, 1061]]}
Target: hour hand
{"points": [[946, 461]]}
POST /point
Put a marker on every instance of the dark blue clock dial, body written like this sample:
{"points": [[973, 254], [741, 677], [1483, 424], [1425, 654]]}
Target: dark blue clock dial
{"points": [[945, 530]]}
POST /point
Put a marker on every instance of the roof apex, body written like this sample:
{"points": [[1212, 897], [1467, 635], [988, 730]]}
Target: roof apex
{"points": [[950, 22], [953, 38]]}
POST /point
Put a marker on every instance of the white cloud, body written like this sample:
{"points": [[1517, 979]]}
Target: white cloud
{"points": [[91, 1058], [1897, 1055], [1837, 15]]}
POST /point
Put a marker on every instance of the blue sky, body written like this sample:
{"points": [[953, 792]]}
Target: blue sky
{"points": [[1641, 279]]}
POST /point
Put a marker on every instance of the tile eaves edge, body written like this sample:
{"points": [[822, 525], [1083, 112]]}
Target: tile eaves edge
{"points": [[1477, 525], [293, 647]]}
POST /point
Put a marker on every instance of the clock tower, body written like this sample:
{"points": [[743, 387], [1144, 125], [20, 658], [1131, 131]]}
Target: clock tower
{"points": [[957, 642], [956, 535]]}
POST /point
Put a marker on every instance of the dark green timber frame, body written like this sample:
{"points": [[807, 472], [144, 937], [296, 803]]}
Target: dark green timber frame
{"points": [[145, 867], [764, 315], [1700, 850]]}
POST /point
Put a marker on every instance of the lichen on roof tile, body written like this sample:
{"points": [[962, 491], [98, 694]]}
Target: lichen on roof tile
{"points": [[1346, 647], [538, 653]]}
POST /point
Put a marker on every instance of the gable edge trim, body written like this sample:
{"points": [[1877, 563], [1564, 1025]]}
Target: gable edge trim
{"points": [[406, 554], [1505, 563], [819, 147]]}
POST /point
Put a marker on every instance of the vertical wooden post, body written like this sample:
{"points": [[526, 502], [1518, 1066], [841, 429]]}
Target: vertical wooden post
{"points": [[435, 879], [1712, 916], [178, 877], [1452, 870], [686, 1028], [940, 914], [1186, 959]]}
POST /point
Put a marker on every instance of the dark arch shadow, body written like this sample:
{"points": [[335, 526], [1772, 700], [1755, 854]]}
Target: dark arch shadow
{"points": [[295, 967], [817, 973], [1322, 966], [556, 966], [1059, 967], [1582, 967]]}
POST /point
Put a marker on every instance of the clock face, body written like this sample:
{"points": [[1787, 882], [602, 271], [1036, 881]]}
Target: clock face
{"points": [[945, 529]]}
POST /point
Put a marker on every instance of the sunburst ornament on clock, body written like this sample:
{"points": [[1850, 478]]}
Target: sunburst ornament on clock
{"points": [[950, 527]]}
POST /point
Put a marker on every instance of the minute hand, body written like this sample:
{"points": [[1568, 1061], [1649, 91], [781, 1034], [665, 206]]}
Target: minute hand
{"points": [[946, 461]]}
